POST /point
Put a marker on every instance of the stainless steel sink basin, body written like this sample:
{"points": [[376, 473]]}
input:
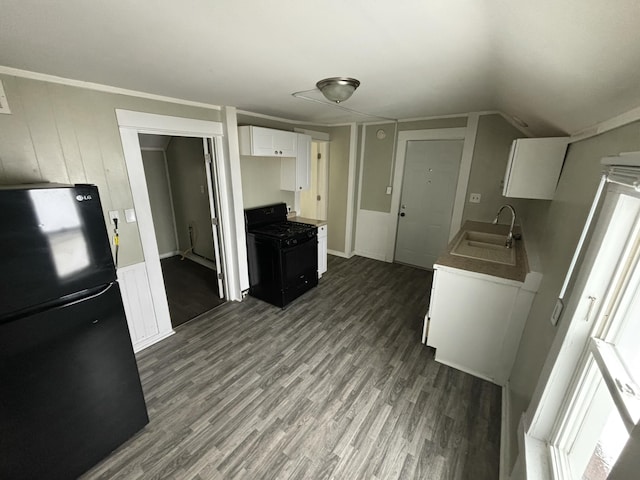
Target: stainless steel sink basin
{"points": [[489, 247]]}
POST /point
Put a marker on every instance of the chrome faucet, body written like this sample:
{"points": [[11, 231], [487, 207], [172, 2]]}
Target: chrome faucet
{"points": [[509, 242]]}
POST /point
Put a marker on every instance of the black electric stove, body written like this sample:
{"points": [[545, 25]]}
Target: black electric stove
{"points": [[283, 255]]}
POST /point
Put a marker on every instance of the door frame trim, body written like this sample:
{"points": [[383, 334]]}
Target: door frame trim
{"points": [[468, 135], [132, 123]]}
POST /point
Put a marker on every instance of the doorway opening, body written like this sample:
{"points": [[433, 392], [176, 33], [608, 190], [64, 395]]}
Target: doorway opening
{"points": [[314, 201], [183, 196]]}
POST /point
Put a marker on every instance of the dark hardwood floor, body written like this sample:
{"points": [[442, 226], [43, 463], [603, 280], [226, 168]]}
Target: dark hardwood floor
{"points": [[192, 289], [337, 385]]}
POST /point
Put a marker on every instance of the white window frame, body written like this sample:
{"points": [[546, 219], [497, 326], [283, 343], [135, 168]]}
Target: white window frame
{"points": [[566, 359], [599, 359]]}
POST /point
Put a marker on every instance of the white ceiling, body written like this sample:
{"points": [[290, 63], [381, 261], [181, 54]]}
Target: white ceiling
{"points": [[560, 65]]}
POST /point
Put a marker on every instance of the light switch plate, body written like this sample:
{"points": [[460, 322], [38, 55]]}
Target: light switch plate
{"points": [[389, 190], [130, 215]]}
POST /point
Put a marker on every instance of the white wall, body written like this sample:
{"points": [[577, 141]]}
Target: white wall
{"points": [[261, 182]]}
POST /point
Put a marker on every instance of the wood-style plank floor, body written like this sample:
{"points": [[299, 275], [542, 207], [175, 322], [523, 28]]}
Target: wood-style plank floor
{"points": [[337, 385], [192, 289]]}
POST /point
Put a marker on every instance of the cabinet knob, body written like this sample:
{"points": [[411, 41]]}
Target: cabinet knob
{"points": [[280, 152], [276, 152], [402, 214], [300, 188]]}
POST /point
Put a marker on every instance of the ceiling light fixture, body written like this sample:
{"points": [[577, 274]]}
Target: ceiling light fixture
{"points": [[338, 89]]}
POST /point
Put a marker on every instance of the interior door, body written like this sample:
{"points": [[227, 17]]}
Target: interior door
{"points": [[309, 197], [426, 205], [313, 202], [212, 183]]}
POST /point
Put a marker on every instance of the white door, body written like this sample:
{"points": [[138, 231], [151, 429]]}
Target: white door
{"points": [[313, 202], [426, 203], [212, 183], [323, 178]]}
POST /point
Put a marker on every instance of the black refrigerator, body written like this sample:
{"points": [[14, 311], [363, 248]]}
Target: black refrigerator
{"points": [[70, 390]]}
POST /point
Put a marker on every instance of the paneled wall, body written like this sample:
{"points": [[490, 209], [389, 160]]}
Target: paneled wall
{"points": [[64, 134]]}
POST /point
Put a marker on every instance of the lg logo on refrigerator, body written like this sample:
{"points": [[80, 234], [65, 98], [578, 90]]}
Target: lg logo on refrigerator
{"points": [[82, 198]]}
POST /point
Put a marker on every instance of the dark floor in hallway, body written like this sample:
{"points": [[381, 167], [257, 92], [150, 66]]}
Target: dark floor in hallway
{"points": [[337, 385], [192, 289]]}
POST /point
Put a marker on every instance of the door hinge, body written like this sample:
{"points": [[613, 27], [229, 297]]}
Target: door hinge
{"points": [[207, 157], [319, 156], [220, 276], [318, 198], [214, 222]]}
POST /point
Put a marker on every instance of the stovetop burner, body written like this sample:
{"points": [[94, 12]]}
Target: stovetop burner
{"points": [[283, 229]]}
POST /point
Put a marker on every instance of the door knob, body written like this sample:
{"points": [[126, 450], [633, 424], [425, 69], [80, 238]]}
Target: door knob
{"points": [[402, 214]]}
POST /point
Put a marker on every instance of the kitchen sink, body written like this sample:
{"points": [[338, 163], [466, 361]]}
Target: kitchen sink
{"points": [[489, 247]]}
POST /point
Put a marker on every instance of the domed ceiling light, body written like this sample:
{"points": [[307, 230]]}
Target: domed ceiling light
{"points": [[338, 89]]}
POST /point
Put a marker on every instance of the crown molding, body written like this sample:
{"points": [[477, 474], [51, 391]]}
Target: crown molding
{"points": [[102, 88]]}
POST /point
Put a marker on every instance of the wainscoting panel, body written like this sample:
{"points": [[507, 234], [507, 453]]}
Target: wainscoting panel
{"points": [[139, 308]]}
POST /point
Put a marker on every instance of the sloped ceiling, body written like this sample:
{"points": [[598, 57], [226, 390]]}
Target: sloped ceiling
{"points": [[560, 66]]}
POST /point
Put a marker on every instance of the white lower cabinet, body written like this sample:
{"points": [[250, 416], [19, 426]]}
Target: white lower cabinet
{"points": [[475, 321], [322, 250]]}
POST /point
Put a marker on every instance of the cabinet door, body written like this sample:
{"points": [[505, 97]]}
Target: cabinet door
{"points": [[262, 142], [469, 334], [303, 162], [284, 143], [534, 167]]}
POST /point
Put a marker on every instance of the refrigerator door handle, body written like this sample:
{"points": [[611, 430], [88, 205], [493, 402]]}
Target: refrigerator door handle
{"points": [[91, 297]]}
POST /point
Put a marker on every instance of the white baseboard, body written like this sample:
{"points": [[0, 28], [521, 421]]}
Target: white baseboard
{"points": [[169, 254], [336, 253], [147, 342], [372, 255], [205, 262]]}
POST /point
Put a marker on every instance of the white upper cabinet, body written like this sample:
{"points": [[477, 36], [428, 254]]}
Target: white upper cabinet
{"points": [[534, 167], [295, 172], [267, 142]]}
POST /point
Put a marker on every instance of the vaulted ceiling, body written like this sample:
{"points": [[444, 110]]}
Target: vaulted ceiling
{"points": [[559, 65]]}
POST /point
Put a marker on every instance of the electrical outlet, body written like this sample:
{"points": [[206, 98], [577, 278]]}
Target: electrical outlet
{"points": [[114, 214], [557, 310], [474, 198]]}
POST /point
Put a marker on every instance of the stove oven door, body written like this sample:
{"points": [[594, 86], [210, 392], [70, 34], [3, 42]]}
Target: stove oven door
{"points": [[299, 268]]}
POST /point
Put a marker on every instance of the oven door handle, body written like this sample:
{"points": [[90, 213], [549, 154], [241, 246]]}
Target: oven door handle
{"points": [[301, 242]]}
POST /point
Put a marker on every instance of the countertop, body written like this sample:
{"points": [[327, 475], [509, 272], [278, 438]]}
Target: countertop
{"points": [[308, 221], [518, 272]]}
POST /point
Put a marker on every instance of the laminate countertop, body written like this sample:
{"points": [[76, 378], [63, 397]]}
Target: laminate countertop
{"points": [[308, 221], [517, 272]]}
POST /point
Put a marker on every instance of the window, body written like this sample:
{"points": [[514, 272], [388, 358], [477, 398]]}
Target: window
{"points": [[601, 407]]}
